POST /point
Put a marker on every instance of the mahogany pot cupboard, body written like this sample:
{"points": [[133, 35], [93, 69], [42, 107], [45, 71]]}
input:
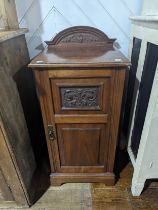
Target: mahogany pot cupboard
{"points": [[80, 82]]}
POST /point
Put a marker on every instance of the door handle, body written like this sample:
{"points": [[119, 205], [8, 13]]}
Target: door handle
{"points": [[51, 132]]}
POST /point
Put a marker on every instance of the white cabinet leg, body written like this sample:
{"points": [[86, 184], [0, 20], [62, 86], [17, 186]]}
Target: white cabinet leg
{"points": [[137, 188]]}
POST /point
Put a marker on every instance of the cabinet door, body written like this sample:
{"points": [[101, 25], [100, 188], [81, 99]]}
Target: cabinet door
{"points": [[82, 147], [81, 115], [84, 111], [82, 96]]}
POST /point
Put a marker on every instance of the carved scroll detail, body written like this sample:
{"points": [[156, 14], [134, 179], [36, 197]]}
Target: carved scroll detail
{"points": [[80, 34], [79, 97], [80, 38]]}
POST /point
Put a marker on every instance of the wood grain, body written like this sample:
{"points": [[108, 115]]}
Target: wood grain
{"points": [[9, 170], [60, 119], [50, 59], [4, 188], [79, 73], [20, 117], [96, 196], [80, 34], [82, 104], [58, 179], [115, 118], [86, 94], [43, 92]]}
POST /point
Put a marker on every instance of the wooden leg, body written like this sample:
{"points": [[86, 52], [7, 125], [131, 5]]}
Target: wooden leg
{"points": [[55, 183]]}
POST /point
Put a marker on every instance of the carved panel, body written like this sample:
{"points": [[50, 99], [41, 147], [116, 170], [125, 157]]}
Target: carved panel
{"points": [[89, 139], [80, 38], [80, 34], [79, 97]]}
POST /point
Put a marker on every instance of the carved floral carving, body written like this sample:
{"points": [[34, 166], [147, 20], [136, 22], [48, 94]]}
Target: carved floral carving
{"points": [[80, 34], [78, 97], [80, 38]]}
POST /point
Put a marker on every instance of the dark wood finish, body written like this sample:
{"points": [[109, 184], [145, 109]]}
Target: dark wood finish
{"points": [[62, 56], [99, 52], [82, 146], [80, 73], [97, 118], [45, 98], [80, 93], [80, 34], [118, 87], [59, 178]]}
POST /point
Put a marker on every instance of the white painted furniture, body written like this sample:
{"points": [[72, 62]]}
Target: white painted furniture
{"points": [[146, 164]]}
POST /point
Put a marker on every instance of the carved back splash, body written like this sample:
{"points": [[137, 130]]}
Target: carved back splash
{"points": [[79, 35]]}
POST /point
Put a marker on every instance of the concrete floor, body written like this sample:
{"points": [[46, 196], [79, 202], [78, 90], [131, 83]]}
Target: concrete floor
{"points": [[94, 197]]}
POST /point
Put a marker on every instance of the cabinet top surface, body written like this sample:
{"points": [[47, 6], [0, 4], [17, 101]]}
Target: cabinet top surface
{"points": [[80, 47]]}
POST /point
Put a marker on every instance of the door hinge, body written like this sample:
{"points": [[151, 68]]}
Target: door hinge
{"points": [[51, 132]]}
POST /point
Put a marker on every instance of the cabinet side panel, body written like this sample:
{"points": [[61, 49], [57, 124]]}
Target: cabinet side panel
{"points": [[43, 92], [145, 87], [118, 87]]}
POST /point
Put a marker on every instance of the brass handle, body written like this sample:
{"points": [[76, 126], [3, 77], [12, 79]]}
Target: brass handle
{"points": [[51, 133]]}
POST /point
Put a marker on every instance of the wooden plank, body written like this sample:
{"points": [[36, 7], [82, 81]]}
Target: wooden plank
{"points": [[16, 87], [8, 169], [3, 18], [4, 188], [10, 48], [8, 19], [79, 73], [95, 118], [17, 148], [58, 178]]}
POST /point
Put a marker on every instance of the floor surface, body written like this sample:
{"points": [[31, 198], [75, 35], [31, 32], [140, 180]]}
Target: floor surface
{"points": [[94, 197]]}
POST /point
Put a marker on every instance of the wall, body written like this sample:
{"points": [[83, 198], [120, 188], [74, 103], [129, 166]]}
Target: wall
{"points": [[45, 18]]}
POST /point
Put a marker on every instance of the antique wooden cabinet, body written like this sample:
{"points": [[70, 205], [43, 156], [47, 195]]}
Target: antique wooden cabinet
{"points": [[80, 81]]}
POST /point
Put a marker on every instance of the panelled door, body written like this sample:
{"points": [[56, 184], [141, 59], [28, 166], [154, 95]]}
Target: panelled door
{"points": [[82, 109]]}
